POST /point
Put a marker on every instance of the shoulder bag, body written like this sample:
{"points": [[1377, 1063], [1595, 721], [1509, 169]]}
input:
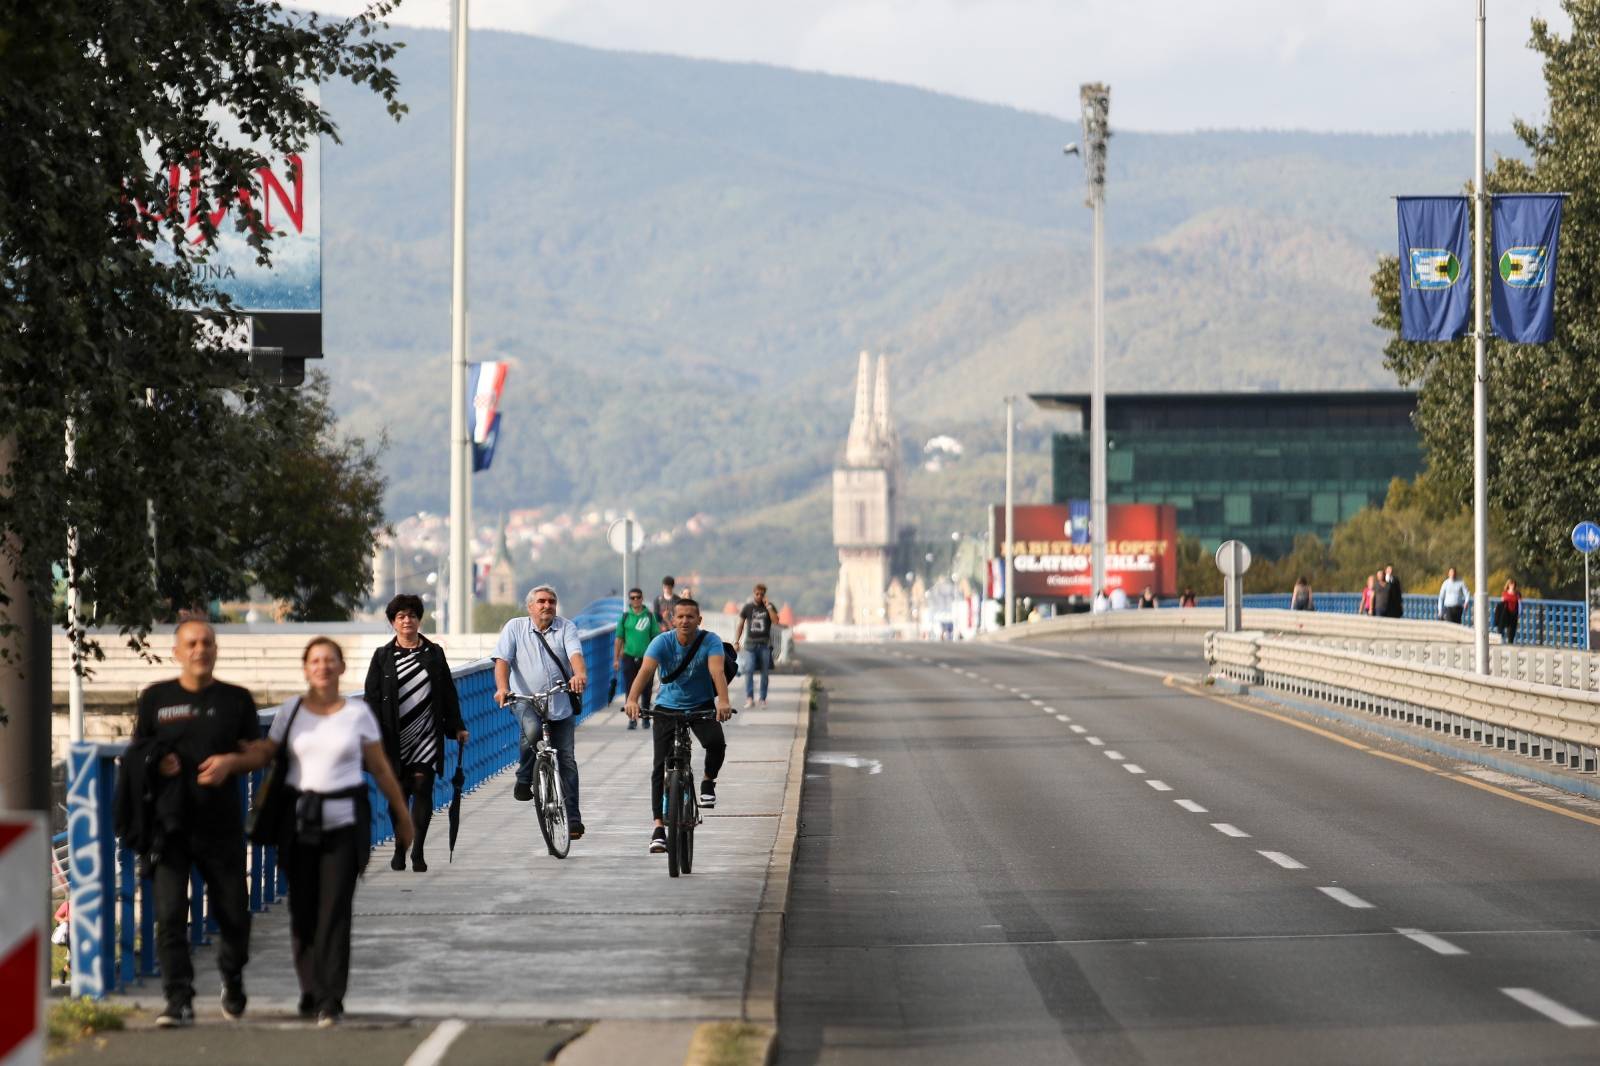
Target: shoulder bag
{"points": [[269, 807]]}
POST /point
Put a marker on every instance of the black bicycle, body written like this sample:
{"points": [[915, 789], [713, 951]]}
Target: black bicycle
{"points": [[680, 808], [549, 801]]}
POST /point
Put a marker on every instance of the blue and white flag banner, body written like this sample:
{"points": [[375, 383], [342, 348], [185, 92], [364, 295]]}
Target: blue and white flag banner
{"points": [[483, 451], [1527, 229], [1435, 267], [486, 382]]}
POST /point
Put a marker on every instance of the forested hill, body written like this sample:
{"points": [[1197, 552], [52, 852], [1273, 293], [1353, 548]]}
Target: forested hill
{"points": [[683, 257]]}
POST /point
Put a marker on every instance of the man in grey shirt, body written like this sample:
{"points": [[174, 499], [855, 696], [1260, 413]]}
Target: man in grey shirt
{"points": [[532, 654], [1453, 597]]}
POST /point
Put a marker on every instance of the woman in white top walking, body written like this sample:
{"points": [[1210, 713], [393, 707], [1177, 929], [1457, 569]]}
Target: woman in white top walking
{"points": [[329, 737]]}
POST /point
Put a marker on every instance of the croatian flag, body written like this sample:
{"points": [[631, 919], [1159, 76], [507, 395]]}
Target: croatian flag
{"points": [[485, 382]]}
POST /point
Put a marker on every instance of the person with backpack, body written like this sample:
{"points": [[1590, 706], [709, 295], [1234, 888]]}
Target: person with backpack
{"points": [[693, 665], [756, 650], [635, 630]]}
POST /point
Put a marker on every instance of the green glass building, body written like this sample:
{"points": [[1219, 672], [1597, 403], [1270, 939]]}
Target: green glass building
{"points": [[1262, 467]]}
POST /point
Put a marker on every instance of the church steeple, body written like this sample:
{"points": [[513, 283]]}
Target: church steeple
{"points": [[860, 446]]}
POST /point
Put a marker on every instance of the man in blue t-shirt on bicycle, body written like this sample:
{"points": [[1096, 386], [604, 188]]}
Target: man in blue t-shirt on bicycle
{"points": [[699, 685]]}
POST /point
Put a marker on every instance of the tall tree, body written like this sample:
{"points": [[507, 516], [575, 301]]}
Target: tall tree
{"points": [[90, 319], [1544, 410]]}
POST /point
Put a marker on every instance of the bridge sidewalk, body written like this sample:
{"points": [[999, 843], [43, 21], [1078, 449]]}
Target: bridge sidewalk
{"points": [[507, 933]]}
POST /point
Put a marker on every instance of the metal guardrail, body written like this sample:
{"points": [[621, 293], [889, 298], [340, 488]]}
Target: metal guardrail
{"points": [[1557, 725], [113, 909], [1555, 623]]}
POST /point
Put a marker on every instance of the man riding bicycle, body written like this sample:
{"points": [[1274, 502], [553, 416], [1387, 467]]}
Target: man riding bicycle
{"points": [[532, 654], [690, 661]]}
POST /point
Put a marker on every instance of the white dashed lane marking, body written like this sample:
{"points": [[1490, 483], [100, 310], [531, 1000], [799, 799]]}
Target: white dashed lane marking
{"points": [[1132, 768], [1115, 756], [1282, 860], [1437, 945], [1556, 1012], [1348, 898], [1191, 806], [1078, 729], [1228, 830], [1062, 718], [1096, 741], [1159, 786]]}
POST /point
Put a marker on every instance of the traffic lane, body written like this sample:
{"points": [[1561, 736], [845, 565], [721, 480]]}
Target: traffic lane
{"points": [[857, 977], [1423, 849]]}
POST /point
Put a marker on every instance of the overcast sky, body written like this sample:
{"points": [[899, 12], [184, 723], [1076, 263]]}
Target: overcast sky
{"points": [[1380, 65]]}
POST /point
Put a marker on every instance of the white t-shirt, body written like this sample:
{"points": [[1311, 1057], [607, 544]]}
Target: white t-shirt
{"points": [[325, 752]]}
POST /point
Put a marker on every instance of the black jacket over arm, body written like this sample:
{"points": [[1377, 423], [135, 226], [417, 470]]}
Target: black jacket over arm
{"points": [[383, 696]]}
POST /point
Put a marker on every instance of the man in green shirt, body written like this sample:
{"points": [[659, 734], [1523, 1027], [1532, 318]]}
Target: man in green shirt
{"points": [[635, 629]]}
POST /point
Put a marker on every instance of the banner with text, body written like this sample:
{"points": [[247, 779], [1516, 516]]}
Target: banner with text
{"points": [[1435, 267], [1527, 227], [1141, 549]]}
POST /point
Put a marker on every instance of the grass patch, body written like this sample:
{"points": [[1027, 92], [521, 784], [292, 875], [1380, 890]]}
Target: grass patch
{"points": [[814, 693], [729, 1044], [73, 1019]]}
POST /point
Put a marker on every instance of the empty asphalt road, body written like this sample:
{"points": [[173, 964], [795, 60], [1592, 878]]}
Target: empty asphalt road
{"points": [[1009, 854]]}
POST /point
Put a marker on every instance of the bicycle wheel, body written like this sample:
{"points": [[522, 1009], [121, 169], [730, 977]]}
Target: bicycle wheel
{"points": [[552, 808], [689, 816], [674, 826]]}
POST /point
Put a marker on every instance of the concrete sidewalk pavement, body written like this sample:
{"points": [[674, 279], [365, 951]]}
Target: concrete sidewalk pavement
{"points": [[507, 933]]}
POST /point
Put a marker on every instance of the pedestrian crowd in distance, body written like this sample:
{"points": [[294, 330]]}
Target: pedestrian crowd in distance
{"points": [[178, 802]]}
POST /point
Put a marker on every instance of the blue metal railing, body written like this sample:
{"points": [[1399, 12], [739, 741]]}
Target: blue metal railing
{"points": [[113, 909], [1554, 623]]}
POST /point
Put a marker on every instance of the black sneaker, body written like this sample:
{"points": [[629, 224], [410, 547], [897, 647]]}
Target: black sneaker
{"points": [[658, 841], [522, 792], [708, 793], [233, 998], [176, 1016], [575, 831]]}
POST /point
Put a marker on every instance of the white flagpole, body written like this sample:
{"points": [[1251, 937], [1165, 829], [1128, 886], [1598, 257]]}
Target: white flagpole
{"points": [[1480, 386]]}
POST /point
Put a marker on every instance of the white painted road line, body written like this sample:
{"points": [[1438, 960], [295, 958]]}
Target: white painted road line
{"points": [[1037, 703], [1049, 710], [999, 686], [431, 1051], [1189, 805], [1228, 830], [1078, 729], [1550, 1008], [1115, 756], [1022, 695], [1437, 945], [1132, 769], [1096, 741], [1282, 860], [1062, 718], [1159, 786], [1348, 898]]}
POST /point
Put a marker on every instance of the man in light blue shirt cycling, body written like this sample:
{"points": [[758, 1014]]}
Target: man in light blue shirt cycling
{"points": [[532, 654], [700, 685]]}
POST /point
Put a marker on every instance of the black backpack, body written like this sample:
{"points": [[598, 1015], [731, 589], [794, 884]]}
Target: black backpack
{"points": [[730, 663]]}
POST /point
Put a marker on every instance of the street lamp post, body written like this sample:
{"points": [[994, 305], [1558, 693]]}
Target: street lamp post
{"points": [[1011, 512], [459, 607], [1095, 101], [1480, 390]]}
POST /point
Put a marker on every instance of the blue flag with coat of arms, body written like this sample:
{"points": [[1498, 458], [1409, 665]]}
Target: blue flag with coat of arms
{"points": [[1435, 267], [1527, 229]]}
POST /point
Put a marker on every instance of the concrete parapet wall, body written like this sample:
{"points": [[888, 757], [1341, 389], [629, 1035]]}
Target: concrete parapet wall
{"points": [[1191, 624]]}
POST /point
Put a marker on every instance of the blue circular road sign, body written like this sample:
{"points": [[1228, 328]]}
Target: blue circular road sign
{"points": [[1586, 537]]}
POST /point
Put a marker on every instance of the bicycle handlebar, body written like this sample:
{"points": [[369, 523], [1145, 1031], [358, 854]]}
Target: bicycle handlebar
{"points": [[685, 715], [539, 697]]}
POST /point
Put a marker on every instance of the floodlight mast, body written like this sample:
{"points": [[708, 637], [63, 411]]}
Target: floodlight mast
{"points": [[1095, 101]]}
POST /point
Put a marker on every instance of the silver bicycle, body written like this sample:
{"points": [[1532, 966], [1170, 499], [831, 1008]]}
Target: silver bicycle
{"points": [[549, 801]]}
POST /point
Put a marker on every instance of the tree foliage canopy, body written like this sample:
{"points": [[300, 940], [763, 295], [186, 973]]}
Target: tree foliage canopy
{"points": [[92, 326], [1544, 400]]}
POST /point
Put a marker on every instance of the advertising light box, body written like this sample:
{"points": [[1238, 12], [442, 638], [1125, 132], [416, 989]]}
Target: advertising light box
{"points": [[1052, 563]]}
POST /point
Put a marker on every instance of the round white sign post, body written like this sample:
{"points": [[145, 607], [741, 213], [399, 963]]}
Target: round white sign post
{"points": [[1586, 538], [626, 536], [1233, 559]]}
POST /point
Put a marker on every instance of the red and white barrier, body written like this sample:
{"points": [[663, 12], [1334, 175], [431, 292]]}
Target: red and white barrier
{"points": [[24, 936]]}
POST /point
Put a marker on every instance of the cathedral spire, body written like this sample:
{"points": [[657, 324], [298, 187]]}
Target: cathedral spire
{"points": [[861, 447], [882, 425]]}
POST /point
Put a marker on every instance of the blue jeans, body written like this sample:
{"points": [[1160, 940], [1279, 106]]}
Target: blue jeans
{"points": [[753, 657], [560, 736]]}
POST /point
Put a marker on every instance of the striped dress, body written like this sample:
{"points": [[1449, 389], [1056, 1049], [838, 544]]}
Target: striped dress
{"points": [[419, 737]]}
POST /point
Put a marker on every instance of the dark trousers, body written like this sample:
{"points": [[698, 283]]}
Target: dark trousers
{"points": [[416, 783], [1453, 614], [221, 865], [630, 670], [322, 892], [706, 730], [560, 736]]}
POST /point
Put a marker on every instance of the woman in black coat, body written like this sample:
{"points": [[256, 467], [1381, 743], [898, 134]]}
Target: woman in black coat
{"points": [[410, 690]]}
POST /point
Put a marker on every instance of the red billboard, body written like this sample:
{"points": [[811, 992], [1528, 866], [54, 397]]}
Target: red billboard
{"points": [[1141, 549]]}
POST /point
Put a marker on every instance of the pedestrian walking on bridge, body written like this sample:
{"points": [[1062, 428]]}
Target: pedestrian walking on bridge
{"points": [[1453, 597], [635, 630], [752, 642]]}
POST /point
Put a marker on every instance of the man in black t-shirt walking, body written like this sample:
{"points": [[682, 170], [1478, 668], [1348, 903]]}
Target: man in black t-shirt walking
{"points": [[207, 723], [757, 620], [667, 601]]}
